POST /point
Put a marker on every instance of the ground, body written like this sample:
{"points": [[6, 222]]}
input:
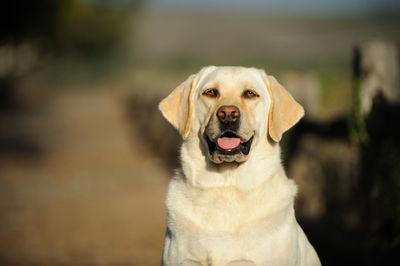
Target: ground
{"points": [[93, 196]]}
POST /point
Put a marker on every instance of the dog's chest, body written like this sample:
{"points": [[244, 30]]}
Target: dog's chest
{"points": [[225, 222], [219, 209], [225, 225]]}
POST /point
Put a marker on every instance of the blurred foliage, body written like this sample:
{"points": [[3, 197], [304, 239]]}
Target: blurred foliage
{"points": [[358, 131], [81, 27]]}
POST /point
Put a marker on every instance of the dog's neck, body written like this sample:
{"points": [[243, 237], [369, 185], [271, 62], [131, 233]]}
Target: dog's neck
{"points": [[199, 172]]}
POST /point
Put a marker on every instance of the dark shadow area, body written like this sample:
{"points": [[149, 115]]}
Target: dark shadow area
{"points": [[336, 245], [380, 175], [147, 124], [17, 136], [8, 97], [334, 129], [376, 201], [24, 146]]}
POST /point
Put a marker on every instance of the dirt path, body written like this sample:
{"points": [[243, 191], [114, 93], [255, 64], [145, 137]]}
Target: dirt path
{"points": [[95, 198]]}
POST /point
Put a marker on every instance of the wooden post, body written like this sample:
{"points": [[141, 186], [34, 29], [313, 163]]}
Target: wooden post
{"points": [[375, 72], [376, 130], [375, 65]]}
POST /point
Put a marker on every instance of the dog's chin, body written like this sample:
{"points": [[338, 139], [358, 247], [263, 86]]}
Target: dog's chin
{"points": [[230, 151]]}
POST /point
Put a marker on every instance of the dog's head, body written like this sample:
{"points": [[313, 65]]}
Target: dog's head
{"points": [[230, 109]]}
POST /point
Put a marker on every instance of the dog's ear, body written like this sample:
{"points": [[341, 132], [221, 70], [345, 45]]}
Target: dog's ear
{"points": [[177, 107], [284, 111]]}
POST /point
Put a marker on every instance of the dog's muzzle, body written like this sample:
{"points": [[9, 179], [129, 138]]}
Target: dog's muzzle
{"points": [[228, 145]]}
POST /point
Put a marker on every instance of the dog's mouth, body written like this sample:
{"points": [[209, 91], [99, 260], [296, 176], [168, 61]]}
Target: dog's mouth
{"points": [[229, 144]]}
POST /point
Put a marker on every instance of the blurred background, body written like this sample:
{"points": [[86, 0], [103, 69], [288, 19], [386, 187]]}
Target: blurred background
{"points": [[85, 156]]}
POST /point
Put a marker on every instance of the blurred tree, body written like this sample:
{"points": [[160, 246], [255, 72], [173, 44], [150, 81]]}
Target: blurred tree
{"points": [[80, 27]]}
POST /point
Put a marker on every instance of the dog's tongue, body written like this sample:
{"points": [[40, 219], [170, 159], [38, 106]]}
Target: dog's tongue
{"points": [[228, 143]]}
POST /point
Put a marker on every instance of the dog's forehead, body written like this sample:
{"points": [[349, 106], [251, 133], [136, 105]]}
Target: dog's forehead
{"points": [[232, 78]]}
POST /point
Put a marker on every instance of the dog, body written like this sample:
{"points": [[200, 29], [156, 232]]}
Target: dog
{"points": [[231, 203]]}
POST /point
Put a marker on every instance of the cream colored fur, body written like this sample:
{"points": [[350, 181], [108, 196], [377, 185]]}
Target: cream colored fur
{"points": [[233, 213]]}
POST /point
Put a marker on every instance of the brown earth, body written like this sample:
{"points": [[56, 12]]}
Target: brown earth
{"points": [[95, 196]]}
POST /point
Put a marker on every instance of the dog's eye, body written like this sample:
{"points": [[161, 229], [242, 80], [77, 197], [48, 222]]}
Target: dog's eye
{"points": [[211, 93], [250, 94]]}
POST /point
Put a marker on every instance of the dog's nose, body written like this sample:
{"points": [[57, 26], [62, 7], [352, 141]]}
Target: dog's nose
{"points": [[228, 114]]}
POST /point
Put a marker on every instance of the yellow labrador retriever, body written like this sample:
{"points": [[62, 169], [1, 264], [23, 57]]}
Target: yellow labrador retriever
{"points": [[231, 202]]}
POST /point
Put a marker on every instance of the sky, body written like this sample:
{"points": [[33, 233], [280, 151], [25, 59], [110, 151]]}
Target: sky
{"points": [[311, 6]]}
